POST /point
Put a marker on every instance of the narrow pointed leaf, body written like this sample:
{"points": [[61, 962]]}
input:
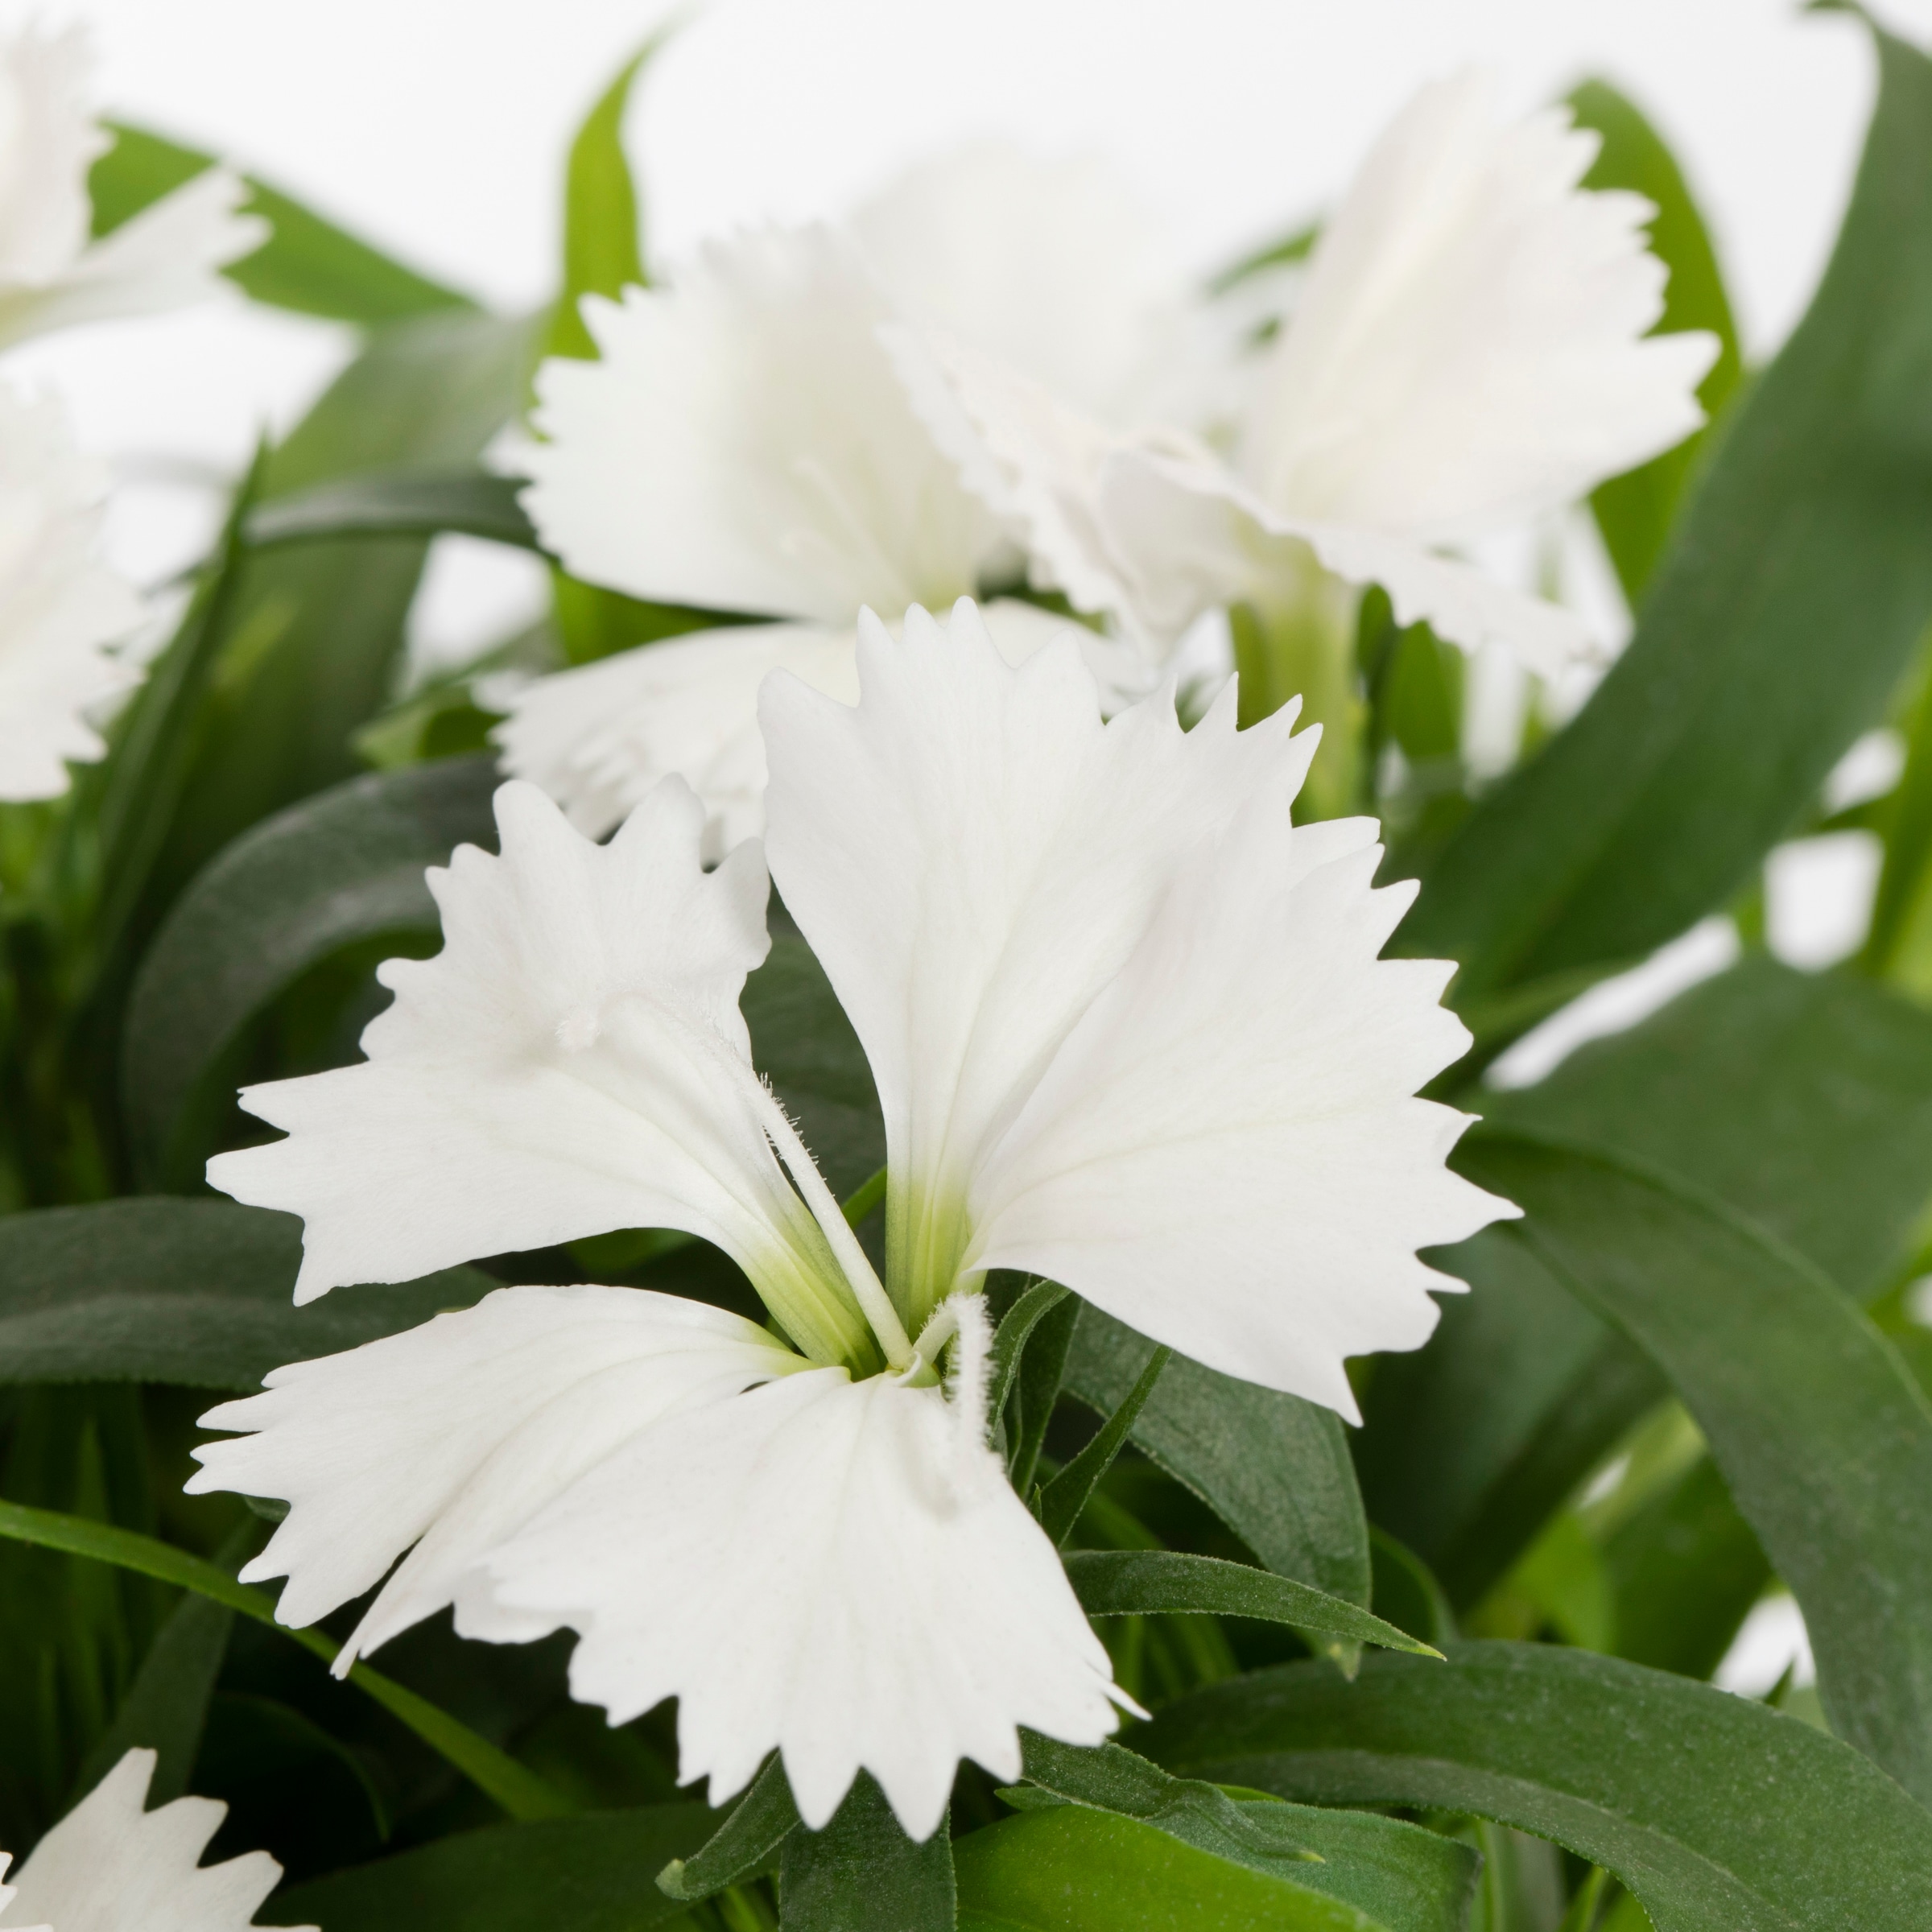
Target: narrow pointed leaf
{"points": [[863, 1874], [1718, 1813], [1822, 1432], [1713, 732], [1063, 1498], [745, 1846], [468, 503], [1037, 1300], [1133, 1582]]}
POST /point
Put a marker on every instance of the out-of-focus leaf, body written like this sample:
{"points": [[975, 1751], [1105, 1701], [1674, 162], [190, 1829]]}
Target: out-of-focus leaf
{"points": [[308, 264], [518, 1789], [1634, 511], [803, 1042], [1131, 1583], [1685, 1569], [1715, 729], [1274, 1469], [467, 502], [1295, 246], [1898, 943], [1069, 1868], [1819, 1428], [344, 866], [603, 228], [1400, 1876], [863, 1874], [587, 1874], [1720, 1814], [198, 1293]]}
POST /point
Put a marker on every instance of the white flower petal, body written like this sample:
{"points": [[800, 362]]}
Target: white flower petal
{"points": [[572, 1061], [59, 604], [168, 256], [1202, 538], [1468, 346], [838, 1569], [1225, 1152], [973, 855], [744, 445], [599, 737], [109, 1866], [456, 1433], [48, 140], [1051, 266], [1110, 998]]}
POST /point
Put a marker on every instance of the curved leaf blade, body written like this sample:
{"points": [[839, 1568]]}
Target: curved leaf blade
{"points": [[1720, 1814], [464, 503]]}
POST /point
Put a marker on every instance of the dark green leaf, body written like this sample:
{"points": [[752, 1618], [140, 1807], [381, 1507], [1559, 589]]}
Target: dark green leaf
{"points": [[603, 229], [467, 502], [344, 866], [519, 1791], [1274, 1469], [1634, 510], [199, 1293], [1721, 1816], [802, 1042], [1042, 1368], [747, 1844], [1898, 943], [587, 1874], [1037, 1299], [1714, 730], [1819, 1428], [308, 264], [1062, 1500], [1069, 1868], [863, 1874], [1131, 1582], [1405, 1877]]}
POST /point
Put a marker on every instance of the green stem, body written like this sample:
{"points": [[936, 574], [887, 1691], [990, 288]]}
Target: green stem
{"points": [[521, 1793]]}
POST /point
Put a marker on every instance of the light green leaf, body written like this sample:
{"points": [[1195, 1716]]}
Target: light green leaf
{"points": [[1713, 731], [1274, 1469], [1721, 1816], [404, 505], [196, 1293], [1069, 1868], [1634, 511], [516, 1789], [1819, 1428], [1131, 1582], [586, 1874], [308, 264], [1410, 1879], [344, 866], [1898, 943], [863, 1874]]}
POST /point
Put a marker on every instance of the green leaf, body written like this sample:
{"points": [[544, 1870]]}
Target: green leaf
{"points": [[518, 1790], [1398, 1873], [403, 504], [1719, 1814], [1130, 1582], [745, 1846], [863, 1874], [308, 264], [1819, 1428], [1042, 1369], [166, 1707], [1062, 1500], [1276, 1470], [1069, 1868], [1634, 511], [1715, 729], [197, 1293], [344, 866], [803, 1042], [1898, 943], [603, 230], [587, 1874]]}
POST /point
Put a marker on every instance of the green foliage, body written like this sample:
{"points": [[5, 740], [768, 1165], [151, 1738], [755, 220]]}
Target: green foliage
{"points": [[862, 1874]]}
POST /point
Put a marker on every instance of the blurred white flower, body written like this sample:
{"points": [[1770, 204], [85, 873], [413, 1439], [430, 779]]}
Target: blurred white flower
{"points": [[60, 606], [52, 274], [1467, 350], [743, 444], [1129, 1030], [109, 1866]]}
